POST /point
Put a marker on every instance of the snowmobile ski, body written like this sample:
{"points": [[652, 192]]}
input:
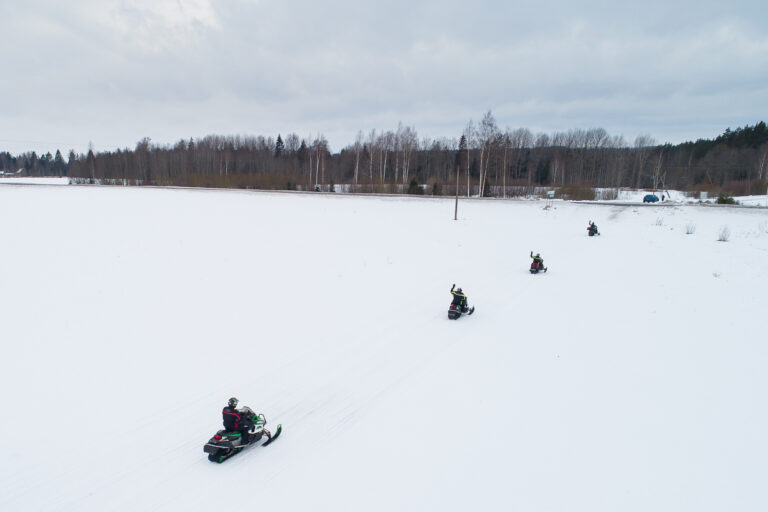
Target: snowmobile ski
{"points": [[274, 436]]}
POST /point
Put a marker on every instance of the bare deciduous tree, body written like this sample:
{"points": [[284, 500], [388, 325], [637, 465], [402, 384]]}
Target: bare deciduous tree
{"points": [[643, 146], [485, 137], [358, 149]]}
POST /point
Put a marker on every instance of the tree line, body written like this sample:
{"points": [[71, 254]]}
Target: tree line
{"points": [[486, 159]]}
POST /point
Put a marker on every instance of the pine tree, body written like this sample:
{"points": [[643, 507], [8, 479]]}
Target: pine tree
{"points": [[45, 163], [31, 164], [279, 146], [59, 167], [462, 150], [90, 161], [414, 188]]}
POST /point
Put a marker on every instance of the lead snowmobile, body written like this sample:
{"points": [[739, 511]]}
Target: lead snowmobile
{"points": [[537, 265], [459, 305], [226, 443], [455, 311]]}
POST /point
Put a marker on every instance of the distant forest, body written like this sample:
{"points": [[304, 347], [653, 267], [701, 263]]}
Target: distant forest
{"points": [[498, 163]]}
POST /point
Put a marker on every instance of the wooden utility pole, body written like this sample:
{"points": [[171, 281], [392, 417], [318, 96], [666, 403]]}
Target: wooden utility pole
{"points": [[456, 208]]}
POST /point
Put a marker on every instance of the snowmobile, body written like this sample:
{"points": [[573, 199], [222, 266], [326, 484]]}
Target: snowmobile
{"points": [[537, 267], [226, 443], [592, 230], [455, 311]]}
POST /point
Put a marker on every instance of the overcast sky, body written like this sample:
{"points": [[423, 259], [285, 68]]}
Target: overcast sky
{"points": [[110, 72]]}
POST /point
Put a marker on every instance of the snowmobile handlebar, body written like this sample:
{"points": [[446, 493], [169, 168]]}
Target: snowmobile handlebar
{"points": [[259, 419]]}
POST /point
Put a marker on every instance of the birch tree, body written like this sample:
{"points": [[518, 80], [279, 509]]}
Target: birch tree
{"points": [[469, 132], [371, 154], [409, 142], [505, 148], [358, 149], [643, 145], [486, 134], [762, 160]]}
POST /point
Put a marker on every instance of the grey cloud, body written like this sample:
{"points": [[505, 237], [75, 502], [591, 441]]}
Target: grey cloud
{"points": [[675, 70]]}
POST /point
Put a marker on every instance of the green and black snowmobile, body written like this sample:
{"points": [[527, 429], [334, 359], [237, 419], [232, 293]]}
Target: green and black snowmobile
{"points": [[226, 443]]}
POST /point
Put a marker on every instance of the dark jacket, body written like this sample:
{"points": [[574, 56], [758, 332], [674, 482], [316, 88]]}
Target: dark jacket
{"points": [[459, 299], [232, 418]]}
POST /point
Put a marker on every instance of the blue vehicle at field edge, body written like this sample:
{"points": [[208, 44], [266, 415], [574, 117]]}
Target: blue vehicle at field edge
{"points": [[650, 198]]}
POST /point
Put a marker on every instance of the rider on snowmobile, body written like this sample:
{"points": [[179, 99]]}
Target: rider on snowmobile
{"points": [[592, 228], [538, 260], [235, 419], [459, 299]]}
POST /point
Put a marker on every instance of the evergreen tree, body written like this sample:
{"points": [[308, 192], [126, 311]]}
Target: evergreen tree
{"points": [[72, 160], [45, 163], [279, 146], [90, 161], [31, 163], [414, 188], [749, 136], [59, 167], [303, 152], [461, 153]]}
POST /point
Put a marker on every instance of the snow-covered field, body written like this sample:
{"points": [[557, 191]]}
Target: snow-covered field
{"points": [[629, 194], [752, 200], [34, 181], [630, 377], [677, 196]]}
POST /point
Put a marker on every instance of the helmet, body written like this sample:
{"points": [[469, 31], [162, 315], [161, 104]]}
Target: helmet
{"points": [[232, 402], [538, 255], [458, 290]]}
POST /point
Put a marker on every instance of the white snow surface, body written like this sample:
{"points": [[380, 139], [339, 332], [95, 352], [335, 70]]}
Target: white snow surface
{"points": [[677, 196], [752, 200], [628, 194], [631, 376], [34, 181]]}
